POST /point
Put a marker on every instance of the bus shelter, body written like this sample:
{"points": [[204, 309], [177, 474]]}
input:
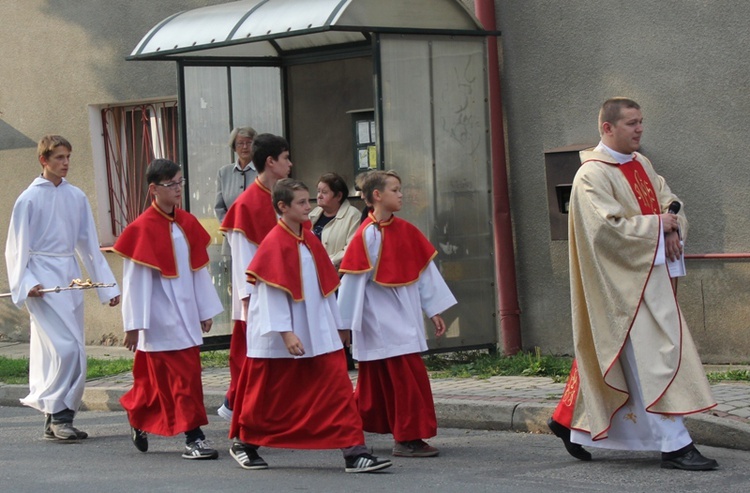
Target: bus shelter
{"points": [[354, 85]]}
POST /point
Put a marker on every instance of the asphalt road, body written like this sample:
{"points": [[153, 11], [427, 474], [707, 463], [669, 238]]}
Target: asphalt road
{"points": [[470, 461]]}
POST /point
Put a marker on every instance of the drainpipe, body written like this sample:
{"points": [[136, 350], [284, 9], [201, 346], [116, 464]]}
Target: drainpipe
{"points": [[505, 264]]}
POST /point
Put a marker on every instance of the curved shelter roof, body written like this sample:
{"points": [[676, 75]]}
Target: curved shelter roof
{"points": [[273, 28]]}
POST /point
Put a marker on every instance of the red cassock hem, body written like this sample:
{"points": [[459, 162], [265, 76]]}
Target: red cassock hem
{"points": [[563, 413], [167, 393], [305, 403], [237, 357], [394, 396]]}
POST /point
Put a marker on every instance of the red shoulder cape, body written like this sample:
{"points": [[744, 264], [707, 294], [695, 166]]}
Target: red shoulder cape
{"points": [[148, 240], [277, 262], [404, 252], [252, 213]]}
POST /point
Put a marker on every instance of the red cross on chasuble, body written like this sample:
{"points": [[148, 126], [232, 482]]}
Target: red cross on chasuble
{"points": [[642, 187]]}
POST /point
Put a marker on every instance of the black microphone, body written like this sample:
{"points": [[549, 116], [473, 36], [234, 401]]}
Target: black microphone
{"points": [[674, 207]]}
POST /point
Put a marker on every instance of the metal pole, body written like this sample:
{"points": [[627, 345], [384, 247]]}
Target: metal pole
{"points": [[505, 264]]}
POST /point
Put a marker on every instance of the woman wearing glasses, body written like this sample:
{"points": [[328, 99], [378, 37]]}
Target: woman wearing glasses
{"points": [[234, 178]]}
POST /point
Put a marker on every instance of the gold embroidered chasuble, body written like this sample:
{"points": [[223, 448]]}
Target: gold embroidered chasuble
{"points": [[617, 292]]}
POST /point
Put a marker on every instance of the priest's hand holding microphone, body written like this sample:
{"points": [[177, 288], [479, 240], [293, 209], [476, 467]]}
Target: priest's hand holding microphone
{"points": [[672, 241]]}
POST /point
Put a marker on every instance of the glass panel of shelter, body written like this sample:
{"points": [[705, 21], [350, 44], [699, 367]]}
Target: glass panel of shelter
{"points": [[445, 167], [213, 107]]}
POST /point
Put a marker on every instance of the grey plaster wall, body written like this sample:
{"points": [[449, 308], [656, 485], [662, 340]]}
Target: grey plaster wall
{"points": [[56, 58], [686, 63]]}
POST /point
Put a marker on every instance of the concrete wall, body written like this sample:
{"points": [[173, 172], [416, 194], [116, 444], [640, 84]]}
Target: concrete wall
{"points": [[686, 63], [59, 56]]}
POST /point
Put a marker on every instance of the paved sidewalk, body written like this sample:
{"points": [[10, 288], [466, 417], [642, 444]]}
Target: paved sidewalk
{"points": [[520, 404]]}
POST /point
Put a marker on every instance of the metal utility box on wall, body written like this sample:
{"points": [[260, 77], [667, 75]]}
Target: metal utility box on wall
{"points": [[560, 167]]}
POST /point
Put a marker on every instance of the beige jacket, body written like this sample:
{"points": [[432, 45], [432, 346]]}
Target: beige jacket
{"points": [[337, 233]]}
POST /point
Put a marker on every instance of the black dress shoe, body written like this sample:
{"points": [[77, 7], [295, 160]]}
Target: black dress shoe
{"points": [[563, 434], [139, 438], [692, 460]]}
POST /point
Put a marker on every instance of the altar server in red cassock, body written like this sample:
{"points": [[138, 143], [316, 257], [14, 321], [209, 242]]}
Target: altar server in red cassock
{"points": [[294, 390], [169, 300], [389, 280], [247, 222]]}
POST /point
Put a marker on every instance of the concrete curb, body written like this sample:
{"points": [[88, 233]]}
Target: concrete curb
{"points": [[531, 417], [718, 431], [521, 416], [11, 394]]}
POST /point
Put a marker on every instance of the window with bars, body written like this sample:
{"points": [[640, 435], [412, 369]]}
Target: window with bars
{"points": [[134, 135]]}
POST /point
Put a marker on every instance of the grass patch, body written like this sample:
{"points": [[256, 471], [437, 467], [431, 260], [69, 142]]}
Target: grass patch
{"points": [[215, 359], [460, 364], [100, 368], [15, 371], [481, 364], [729, 376]]}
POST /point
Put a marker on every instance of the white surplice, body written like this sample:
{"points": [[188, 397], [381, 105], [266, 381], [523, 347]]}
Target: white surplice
{"points": [[169, 310], [48, 226], [315, 320], [243, 251], [388, 321]]}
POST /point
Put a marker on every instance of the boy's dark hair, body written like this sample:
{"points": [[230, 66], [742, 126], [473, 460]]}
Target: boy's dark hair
{"points": [[160, 170], [283, 191], [375, 180], [265, 146], [336, 184]]}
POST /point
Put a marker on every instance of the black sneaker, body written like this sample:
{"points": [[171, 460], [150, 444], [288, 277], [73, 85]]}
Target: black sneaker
{"points": [[140, 439], [201, 450], [48, 435], [247, 457], [366, 463]]}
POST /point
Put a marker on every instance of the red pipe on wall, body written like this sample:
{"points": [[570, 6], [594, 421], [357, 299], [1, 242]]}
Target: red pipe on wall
{"points": [[717, 256], [505, 264]]}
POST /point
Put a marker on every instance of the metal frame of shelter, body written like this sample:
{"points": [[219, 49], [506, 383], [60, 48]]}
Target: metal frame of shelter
{"points": [[418, 40]]}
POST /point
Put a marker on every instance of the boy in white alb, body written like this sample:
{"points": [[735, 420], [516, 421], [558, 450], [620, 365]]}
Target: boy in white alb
{"points": [[294, 390], [168, 301], [51, 223], [389, 279]]}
